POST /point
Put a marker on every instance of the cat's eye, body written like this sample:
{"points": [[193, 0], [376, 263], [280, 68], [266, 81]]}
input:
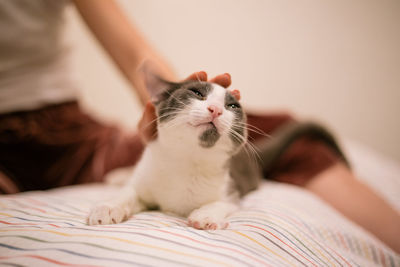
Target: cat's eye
{"points": [[198, 93], [233, 106]]}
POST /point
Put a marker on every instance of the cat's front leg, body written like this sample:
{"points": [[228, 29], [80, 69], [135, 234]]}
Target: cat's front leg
{"points": [[117, 209], [212, 216]]}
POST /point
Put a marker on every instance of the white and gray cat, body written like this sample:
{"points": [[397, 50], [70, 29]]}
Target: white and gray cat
{"points": [[197, 166], [186, 170]]}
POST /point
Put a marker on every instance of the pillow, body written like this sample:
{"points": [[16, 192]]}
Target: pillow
{"points": [[277, 225]]}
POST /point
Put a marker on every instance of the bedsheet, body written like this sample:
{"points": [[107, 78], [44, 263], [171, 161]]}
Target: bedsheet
{"points": [[276, 225]]}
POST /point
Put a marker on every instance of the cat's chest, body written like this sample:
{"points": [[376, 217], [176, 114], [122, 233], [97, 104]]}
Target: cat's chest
{"points": [[183, 195], [182, 184], [179, 189]]}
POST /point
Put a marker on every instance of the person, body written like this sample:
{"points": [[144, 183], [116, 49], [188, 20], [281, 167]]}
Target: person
{"points": [[47, 141]]}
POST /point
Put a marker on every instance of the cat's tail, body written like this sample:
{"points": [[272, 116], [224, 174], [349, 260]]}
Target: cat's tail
{"points": [[271, 149]]}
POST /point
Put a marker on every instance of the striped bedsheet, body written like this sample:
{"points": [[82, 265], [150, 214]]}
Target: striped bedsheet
{"points": [[277, 225]]}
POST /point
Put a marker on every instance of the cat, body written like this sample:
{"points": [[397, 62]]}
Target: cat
{"points": [[198, 166], [187, 169]]}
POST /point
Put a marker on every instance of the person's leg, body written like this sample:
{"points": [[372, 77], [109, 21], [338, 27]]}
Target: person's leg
{"points": [[7, 186], [314, 165], [338, 186]]}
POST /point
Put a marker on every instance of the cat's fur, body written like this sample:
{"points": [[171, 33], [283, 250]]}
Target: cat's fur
{"points": [[186, 170]]}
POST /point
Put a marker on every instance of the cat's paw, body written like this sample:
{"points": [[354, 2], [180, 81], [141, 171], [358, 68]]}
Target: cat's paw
{"points": [[106, 214], [205, 220]]}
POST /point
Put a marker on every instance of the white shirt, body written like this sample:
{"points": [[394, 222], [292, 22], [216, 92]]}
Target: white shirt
{"points": [[34, 69]]}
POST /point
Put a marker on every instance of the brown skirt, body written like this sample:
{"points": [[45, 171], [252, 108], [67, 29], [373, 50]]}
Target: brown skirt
{"points": [[60, 145]]}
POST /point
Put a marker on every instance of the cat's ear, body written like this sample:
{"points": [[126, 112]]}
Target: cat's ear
{"points": [[155, 85]]}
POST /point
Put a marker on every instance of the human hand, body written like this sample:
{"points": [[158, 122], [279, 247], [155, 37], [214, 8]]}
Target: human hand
{"points": [[147, 125]]}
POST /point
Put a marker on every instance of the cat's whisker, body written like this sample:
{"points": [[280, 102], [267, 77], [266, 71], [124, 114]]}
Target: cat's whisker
{"points": [[195, 113], [171, 108], [159, 117], [255, 150], [252, 127], [251, 151], [244, 146], [248, 146], [240, 138], [176, 122], [255, 129]]}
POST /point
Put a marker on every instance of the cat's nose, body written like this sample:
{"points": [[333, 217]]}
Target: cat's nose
{"points": [[215, 111]]}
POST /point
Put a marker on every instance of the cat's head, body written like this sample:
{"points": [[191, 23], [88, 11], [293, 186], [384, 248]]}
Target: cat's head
{"points": [[200, 114]]}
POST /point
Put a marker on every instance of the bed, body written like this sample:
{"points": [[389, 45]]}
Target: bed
{"points": [[277, 225]]}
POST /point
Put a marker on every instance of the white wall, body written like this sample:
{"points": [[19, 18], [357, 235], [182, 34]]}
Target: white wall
{"points": [[334, 61]]}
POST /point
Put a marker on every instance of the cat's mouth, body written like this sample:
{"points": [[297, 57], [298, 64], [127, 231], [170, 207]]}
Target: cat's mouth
{"points": [[209, 124]]}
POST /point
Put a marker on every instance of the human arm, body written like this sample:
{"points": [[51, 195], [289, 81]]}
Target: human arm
{"points": [[129, 49], [123, 42]]}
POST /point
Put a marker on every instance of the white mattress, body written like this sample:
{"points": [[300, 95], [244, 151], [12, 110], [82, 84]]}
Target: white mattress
{"points": [[277, 225]]}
